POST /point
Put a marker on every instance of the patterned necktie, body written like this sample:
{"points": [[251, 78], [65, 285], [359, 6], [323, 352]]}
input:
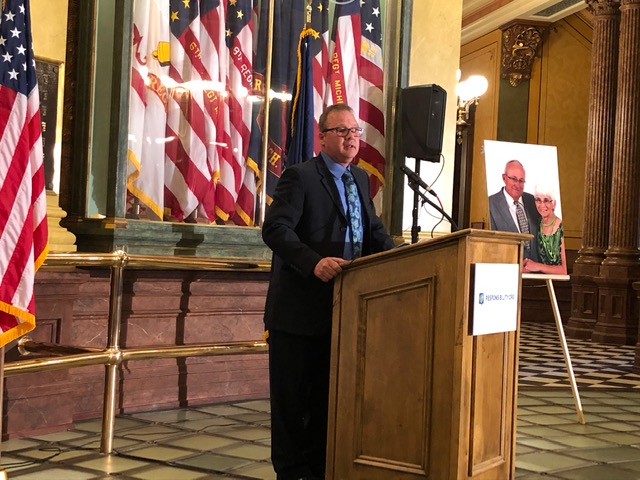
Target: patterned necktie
{"points": [[523, 223], [353, 213]]}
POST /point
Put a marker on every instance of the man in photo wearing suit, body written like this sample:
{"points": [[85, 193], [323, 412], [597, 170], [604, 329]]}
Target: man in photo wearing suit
{"points": [[514, 210], [321, 217]]}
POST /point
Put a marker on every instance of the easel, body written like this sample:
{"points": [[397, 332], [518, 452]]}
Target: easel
{"points": [[548, 278]]}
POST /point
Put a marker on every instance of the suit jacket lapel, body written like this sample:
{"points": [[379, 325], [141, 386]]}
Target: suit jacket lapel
{"points": [[506, 212], [329, 184]]}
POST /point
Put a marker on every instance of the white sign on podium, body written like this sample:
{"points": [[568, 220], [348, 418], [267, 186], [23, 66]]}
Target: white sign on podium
{"points": [[495, 298]]}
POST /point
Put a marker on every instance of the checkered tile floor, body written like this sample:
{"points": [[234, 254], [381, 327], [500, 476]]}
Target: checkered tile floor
{"points": [[594, 365], [232, 441]]}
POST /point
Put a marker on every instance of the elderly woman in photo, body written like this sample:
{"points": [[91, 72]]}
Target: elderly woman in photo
{"points": [[550, 236]]}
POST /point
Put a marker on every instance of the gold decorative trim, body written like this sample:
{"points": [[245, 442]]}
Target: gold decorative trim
{"points": [[520, 45]]}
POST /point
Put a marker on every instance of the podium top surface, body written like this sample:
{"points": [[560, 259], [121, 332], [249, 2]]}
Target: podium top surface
{"points": [[475, 233], [478, 234]]}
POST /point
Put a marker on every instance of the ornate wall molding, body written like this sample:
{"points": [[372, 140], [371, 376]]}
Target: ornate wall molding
{"points": [[520, 44]]}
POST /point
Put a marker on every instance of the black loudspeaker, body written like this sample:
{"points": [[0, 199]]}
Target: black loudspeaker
{"points": [[422, 114]]}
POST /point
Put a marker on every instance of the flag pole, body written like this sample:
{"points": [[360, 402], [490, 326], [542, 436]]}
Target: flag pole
{"points": [[3, 473], [267, 102]]}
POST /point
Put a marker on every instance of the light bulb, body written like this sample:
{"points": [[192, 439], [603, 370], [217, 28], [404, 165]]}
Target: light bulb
{"points": [[478, 85], [463, 91]]}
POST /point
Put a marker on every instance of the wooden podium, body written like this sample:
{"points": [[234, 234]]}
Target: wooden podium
{"points": [[413, 395]]}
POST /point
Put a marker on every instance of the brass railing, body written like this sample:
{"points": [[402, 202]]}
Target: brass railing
{"points": [[112, 355]]}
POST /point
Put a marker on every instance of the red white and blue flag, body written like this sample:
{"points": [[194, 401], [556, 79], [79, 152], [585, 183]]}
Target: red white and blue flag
{"points": [[195, 108], [356, 78], [239, 41], [191, 78], [23, 204], [213, 137], [320, 62]]}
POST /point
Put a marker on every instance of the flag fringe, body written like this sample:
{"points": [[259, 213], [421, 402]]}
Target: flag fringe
{"points": [[136, 192], [246, 217], [371, 169], [16, 332], [43, 254], [221, 214], [18, 312]]}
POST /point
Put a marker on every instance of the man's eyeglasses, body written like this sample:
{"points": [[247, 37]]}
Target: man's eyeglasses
{"points": [[344, 131], [543, 200], [515, 179]]}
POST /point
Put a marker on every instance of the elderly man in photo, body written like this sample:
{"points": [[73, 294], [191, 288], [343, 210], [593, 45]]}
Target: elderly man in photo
{"points": [[514, 210]]}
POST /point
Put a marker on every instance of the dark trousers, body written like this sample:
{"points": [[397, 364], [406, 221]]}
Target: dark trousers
{"points": [[299, 384]]}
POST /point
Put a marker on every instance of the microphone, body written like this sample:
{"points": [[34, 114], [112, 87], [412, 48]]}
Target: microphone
{"points": [[415, 178]]}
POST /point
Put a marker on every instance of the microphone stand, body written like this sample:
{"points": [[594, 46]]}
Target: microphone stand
{"points": [[415, 228]]}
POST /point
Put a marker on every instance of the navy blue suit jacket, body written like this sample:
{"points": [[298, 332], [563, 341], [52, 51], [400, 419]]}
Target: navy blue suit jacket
{"points": [[305, 223]]}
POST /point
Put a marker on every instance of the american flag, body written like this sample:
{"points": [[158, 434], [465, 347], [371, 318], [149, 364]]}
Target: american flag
{"points": [[148, 105], [215, 59], [320, 54], [194, 108], [209, 113], [239, 41], [23, 204], [213, 141], [356, 78]]}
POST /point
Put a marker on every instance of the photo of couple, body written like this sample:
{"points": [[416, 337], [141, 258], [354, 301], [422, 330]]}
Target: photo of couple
{"points": [[523, 186]]}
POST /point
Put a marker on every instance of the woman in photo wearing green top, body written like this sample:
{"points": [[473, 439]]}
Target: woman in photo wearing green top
{"points": [[550, 236]]}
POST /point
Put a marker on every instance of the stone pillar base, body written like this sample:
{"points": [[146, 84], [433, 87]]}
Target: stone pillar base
{"points": [[617, 310], [584, 306], [61, 240]]}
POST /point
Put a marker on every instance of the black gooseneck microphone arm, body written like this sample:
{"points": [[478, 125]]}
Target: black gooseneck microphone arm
{"points": [[415, 228]]}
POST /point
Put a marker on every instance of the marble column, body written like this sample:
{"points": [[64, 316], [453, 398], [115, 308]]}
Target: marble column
{"points": [[598, 167], [617, 310]]}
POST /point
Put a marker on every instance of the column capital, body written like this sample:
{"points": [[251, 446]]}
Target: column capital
{"points": [[520, 44], [603, 7]]}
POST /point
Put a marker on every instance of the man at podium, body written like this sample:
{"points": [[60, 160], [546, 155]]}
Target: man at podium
{"points": [[321, 217]]}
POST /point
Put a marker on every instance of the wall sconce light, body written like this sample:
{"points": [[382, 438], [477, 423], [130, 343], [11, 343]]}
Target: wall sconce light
{"points": [[469, 92]]}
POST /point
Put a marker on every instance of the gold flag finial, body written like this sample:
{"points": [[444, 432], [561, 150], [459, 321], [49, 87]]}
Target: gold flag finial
{"points": [[308, 11]]}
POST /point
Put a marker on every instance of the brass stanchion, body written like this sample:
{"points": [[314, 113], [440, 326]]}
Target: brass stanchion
{"points": [[113, 344]]}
